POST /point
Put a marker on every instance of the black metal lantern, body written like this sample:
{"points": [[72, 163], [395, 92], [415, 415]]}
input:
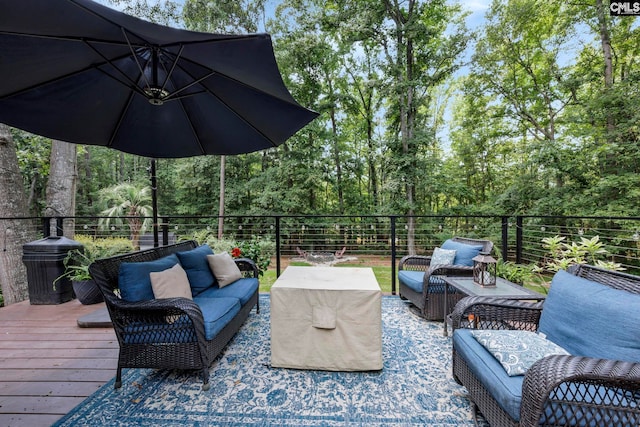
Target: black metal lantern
{"points": [[484, 270]]}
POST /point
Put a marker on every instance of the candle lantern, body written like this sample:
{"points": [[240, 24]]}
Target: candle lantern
{"points": [[484, 270]]}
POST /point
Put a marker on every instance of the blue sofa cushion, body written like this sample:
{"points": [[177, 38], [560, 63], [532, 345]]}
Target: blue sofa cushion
{"points": [[241, 289], [464, 253], [195, 264], [134, 278], [590, 319], [516, 350], [217, 312], [506, 390]]}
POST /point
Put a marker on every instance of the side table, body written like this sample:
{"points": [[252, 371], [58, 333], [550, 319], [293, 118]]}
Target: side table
{"points": [[503, 289]]}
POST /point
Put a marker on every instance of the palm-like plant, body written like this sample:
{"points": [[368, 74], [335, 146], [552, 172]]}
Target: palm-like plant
{"points": [[131, 202]]}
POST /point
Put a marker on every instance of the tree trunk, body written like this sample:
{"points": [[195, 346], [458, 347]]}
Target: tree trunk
{"points": [[404, 74], [336, 159], [221, 204], [605, 41], [14, 232], [61, 185], [410, 112]]}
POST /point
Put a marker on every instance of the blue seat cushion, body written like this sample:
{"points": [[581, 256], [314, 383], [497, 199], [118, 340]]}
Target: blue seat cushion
{"points": [[411, 279], [464, 252], [134, 280], [414, 279], [195, 264], [217, 312], [590, 319], [241, 289], [506, 390]]}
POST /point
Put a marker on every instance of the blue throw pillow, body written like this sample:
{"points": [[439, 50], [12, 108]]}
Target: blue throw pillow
{"points": [[516, 350], [134, 278], [195, 264], [443, 256], [464, 253], [591, 319]]}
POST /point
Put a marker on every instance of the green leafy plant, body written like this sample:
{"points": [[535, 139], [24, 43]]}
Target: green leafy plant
{"points": [[517, 273], [562, 255], [257, 249], [77, 261]]}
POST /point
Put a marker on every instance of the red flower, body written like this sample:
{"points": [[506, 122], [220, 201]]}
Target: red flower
{"points": [[236, 252]]}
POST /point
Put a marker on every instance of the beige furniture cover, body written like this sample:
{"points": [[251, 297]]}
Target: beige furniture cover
{"points": [[326, 318]]}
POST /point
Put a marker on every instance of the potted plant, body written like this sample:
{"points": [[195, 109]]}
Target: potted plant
{"points": [[77, 263]]}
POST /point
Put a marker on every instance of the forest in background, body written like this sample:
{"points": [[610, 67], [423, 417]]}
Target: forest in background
{"points": [[535, 112]]}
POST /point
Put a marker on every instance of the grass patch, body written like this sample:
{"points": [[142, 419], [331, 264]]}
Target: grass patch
{"points": [[383, 275]]}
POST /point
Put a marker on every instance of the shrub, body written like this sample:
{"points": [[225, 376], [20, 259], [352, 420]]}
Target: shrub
{"points": [[561, 254], [258, 249], [77, 261]]}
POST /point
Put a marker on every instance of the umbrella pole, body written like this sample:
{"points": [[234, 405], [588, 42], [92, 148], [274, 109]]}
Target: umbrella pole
{"points": [[154, 202]]}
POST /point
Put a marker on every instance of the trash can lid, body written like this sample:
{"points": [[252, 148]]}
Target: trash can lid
{"points": [[52, 243]]}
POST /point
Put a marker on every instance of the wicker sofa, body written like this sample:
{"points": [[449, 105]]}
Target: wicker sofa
{"points": [[174, 333], [419, 282], [594, 315]]}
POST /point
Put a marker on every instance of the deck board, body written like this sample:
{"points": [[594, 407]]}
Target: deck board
{"points": [[48, 364]]}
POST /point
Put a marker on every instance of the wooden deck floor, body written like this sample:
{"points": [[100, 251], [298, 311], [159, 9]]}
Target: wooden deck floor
{"points": [[48, 364]]}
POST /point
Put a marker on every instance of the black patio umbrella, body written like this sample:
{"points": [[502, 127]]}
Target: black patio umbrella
{"points": [[77, 71], [80, 72]]}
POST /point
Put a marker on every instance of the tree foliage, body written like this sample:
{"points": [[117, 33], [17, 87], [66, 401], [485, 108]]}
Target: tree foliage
{"points": [[540, 117]]}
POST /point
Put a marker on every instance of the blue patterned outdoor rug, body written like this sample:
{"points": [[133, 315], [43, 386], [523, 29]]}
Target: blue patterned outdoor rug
{"points": [[414, 388]]}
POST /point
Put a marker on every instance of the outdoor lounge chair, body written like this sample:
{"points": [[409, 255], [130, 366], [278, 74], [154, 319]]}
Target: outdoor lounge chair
{"points": [[420, 282], [593, 380]]}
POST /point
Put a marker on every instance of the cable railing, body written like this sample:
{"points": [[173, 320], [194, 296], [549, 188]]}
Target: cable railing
{"points": [[377, 239]]}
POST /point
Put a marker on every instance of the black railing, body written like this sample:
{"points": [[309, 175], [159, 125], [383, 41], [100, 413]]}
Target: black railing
{"points": [[383, 238]]}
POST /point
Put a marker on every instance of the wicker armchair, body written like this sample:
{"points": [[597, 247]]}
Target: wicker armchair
{"points": [[147, 338], [560, 389], [430, 302]]}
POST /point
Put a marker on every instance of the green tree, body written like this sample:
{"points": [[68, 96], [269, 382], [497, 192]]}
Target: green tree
{"points": [[130, 203]]}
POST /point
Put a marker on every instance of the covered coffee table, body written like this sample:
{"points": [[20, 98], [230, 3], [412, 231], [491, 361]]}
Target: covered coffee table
{"points": [[326, 318]]}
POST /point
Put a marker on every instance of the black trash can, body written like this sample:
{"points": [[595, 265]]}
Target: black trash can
{"points": [[44, 260]]}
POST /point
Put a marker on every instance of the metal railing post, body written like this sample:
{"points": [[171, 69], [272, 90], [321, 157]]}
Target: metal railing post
{"points": [[46, 226], [165, 231], [519, 234], [505, 238], [59, 226], [393, 254], [277, 246]]}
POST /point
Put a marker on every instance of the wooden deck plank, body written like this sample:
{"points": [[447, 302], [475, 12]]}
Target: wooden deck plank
{"points": [[48, 388], [48, 364], [22, 420], [39, 404], [59, 363], [52, 337], [60, 344], [56, 353], [62, 375]]}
